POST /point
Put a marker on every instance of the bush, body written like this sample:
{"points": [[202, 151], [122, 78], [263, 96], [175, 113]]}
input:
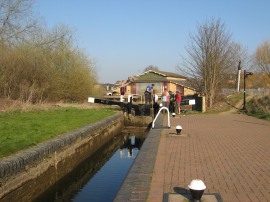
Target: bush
{"points": [[259, 107], [36, 73]]}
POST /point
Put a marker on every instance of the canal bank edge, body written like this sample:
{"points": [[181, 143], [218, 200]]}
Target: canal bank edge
{"points": [[27, 174], [137, 183]]}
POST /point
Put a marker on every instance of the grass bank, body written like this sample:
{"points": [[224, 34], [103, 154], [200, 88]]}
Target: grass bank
{"points": [[20, 130], [226, 103], [259, 107]]}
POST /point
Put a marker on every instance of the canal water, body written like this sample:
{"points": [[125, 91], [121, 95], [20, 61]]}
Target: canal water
{"points": [[99, 177]]}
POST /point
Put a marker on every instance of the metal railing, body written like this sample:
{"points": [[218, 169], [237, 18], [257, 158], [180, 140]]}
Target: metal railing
{"points": [[169, 124]]}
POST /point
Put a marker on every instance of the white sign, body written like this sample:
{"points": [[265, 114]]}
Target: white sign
{"points": [[191, 102], [91, 100]]}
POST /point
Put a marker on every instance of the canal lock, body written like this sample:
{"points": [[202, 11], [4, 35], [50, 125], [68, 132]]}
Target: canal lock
{"points": [[64, 180]]}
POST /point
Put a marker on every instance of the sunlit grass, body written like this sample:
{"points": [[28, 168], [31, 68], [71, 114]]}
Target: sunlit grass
{"points": [[21, 130], [225, 103]]}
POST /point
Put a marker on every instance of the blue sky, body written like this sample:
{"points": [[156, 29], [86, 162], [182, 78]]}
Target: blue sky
{"points": [[125, 36]]}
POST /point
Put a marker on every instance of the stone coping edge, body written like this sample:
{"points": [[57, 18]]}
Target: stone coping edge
{"points": [[19, 162], [137, 183]]}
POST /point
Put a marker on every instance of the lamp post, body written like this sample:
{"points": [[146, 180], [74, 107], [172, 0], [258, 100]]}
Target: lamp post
{"points": [[246, 74]]}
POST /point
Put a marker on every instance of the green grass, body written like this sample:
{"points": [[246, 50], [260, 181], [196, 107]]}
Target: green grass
{"points": [[21, 130], [232, 100], [260, 115]]}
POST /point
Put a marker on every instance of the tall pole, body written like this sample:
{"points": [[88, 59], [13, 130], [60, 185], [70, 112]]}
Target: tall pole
{"points": [[238, 76]]}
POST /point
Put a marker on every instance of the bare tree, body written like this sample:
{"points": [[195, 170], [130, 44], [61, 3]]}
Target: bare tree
{"points": [[239, 53], [151, 67], [210, 58], [262, 58], [16, 20], [240, 58]]}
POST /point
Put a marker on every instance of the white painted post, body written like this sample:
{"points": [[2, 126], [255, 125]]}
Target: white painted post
{"points": [[91, 99], [122, 98], [238, 76]]}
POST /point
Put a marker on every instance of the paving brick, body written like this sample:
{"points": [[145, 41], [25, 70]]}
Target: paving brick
{"points": [[230, 153]]}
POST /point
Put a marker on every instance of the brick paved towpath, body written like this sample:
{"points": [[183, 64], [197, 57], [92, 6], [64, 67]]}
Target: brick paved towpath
{"points": [[229, 152]]}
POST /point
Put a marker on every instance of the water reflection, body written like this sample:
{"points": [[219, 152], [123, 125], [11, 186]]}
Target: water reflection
{"points": [[130, 143], [100, 176]]}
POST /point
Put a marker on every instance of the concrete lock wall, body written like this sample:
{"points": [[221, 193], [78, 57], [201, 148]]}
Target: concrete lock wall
{"points": [[26, 175]]}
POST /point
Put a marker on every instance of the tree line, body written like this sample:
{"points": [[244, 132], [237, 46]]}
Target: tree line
{"points": [[38, 64]]}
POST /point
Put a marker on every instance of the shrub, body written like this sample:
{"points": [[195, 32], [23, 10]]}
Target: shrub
{"points": [[259, 107]]}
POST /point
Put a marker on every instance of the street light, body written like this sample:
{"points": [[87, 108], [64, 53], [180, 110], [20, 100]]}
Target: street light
{"points": [[246, 74]]}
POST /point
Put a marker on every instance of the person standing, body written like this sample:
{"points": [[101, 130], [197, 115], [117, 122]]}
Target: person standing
{"points": [[178, 99], [165, 98], [148, 93], [172, 102]]}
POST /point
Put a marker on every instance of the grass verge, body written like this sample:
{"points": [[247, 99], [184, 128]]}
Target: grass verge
{"points": [[226, 103], [20, 130], [259, 107]]}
